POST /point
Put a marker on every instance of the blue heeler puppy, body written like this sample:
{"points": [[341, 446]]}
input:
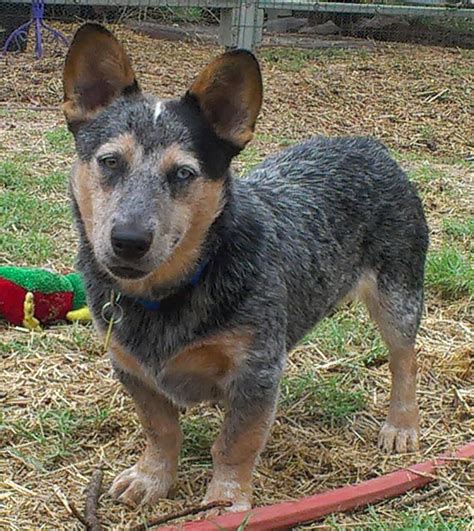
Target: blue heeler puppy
{"points": [[217, 278]]}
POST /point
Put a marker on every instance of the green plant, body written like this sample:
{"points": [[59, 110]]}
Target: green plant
{"points": [[450, 272]]}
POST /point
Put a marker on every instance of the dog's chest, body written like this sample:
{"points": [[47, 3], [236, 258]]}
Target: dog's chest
{"points": [[198, 372]]}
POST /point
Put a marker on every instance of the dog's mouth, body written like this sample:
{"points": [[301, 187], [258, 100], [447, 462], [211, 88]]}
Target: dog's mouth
{"points": [[128, 273]]}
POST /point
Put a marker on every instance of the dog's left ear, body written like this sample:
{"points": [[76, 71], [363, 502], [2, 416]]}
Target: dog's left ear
{"points": [[229, 92], [97, 71]]}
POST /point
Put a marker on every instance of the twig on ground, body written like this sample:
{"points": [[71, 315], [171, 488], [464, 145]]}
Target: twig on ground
{"points": [[75, 512], [186, 512], [92, 501], [90, 520], [443, 479], [431, 99], [460, 459], [423, 474], [422, 497]]}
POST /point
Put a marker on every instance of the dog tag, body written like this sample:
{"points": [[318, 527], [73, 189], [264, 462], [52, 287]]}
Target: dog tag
{"points": [[112, 313]]}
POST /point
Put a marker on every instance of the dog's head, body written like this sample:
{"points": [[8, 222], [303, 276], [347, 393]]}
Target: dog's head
{"points": [[151, 174]]}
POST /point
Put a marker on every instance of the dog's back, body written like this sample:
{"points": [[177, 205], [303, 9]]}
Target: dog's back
{"points": [[342, 209]]}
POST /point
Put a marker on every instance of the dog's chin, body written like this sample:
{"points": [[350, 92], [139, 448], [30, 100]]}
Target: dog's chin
{"points": [[127, 273]]}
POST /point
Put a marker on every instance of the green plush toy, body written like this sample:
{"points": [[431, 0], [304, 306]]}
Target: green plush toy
{"points": [[30, 297]]}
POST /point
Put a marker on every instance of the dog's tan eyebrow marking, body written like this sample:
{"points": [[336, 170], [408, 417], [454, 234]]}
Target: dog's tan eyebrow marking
{"points": [[125, 144], [175, 156]]}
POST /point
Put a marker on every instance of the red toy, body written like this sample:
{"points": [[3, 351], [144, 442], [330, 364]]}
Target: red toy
{"points": [[30, 297]]}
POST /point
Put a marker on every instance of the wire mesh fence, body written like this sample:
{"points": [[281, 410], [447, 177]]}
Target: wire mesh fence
{"points": [[251, 23]]}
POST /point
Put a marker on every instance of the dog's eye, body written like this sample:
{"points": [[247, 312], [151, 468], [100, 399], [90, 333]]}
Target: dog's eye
{"points": [[109, 161], [184, 173]]}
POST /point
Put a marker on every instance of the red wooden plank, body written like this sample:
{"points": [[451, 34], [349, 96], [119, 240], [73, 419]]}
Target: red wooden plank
{"points": [[283, 515]]}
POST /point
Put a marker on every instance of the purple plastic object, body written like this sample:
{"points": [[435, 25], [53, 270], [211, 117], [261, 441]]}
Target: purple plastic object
{"points": [[37, 20]]}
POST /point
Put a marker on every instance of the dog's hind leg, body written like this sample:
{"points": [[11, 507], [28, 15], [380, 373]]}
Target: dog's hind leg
{"points": [[153, 475], [395, 303]]}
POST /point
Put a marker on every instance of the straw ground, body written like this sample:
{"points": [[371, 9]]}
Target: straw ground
{"points": [[63, 414]]}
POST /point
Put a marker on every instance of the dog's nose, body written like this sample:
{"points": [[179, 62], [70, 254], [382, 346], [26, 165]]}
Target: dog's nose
{"points": [[130, 241]]}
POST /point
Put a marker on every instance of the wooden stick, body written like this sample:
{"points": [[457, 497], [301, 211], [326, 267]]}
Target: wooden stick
{"points": [[422, 497], [75, 512], [423, 474], [186, 512], [436, 96], [92, 501], [460, 459]]}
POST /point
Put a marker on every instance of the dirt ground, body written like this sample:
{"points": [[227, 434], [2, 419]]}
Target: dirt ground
{"points": [[63, 414]]}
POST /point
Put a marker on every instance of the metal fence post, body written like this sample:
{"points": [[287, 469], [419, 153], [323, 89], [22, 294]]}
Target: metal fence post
{"points": [[241, 26]]}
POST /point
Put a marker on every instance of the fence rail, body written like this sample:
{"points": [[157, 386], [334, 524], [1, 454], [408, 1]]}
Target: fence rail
{"points": [[241, 21], [366, 9]]}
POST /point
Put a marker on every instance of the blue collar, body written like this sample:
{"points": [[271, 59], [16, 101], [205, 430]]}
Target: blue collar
{"points": [[155, 305]]}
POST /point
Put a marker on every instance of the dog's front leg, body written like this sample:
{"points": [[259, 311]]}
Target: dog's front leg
{"points": [[154, 474], [243, 436]]}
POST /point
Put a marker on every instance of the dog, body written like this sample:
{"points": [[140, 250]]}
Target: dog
{"points": [[203, 283]]}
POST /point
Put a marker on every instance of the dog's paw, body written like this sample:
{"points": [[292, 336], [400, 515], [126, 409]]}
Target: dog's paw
{"points": [[396, 439], [230, 491], [138, 487]]}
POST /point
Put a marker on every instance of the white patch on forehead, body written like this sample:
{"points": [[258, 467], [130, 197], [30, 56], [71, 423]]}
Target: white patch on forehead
{"points": [[158, 110]]}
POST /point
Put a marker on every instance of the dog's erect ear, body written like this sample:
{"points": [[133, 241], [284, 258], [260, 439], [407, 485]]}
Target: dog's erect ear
{"points": [[229, 92], [97, 71]]}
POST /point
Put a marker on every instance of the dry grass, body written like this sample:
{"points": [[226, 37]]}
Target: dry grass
{"points": [[409, 96], [62, 412]]}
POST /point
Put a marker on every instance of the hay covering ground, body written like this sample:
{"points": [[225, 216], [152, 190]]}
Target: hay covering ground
{"points": [[63, 413]]}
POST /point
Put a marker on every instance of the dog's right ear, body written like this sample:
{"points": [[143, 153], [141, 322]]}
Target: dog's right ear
{"points": [[97, 71]]}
